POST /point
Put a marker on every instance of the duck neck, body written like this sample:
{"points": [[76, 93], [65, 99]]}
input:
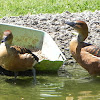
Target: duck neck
{"points": [[5, 44], [81, 38]]}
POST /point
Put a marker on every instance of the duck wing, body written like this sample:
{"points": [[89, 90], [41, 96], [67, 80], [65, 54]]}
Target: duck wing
{"points": [[21, 50], [94, 50]]}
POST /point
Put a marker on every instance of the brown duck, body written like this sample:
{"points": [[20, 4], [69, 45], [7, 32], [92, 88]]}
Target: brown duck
{"points": [[15, 58], [87, 55]]}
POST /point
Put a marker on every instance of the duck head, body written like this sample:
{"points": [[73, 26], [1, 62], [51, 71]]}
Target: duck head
{"points": [[81, 28], [7, 37]]}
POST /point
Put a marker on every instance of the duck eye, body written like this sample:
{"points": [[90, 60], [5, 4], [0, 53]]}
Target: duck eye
{"points": [[79, 24]]}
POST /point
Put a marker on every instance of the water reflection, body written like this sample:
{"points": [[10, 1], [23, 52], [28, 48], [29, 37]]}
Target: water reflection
{"points": [[50, 88], [83, 91], [71, 89]]}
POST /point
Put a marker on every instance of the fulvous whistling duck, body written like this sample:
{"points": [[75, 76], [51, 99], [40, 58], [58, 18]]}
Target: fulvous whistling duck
{"points": [[87, 55], [15, 58]]}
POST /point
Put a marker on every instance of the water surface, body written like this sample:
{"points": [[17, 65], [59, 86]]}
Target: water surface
{"points": [[51, 87]]}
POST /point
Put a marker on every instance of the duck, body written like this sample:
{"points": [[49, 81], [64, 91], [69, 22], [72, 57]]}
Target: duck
{"points": [[16, 58], [86, 55]]}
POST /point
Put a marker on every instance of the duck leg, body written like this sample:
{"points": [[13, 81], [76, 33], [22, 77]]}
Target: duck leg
{"points": [[16, 74], [34, 75]]}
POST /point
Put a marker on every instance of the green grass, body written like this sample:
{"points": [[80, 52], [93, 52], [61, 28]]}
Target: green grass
{"points": [[23, 7]]}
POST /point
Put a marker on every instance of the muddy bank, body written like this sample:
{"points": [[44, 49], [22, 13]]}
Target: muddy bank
{"points": [[54, 24]]}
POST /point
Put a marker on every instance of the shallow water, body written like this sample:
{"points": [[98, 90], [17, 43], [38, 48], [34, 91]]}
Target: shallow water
{"points": [[77, 87]]}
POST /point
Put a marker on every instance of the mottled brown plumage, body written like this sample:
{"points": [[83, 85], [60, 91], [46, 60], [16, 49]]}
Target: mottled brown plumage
{"points": [[15, 58], [87, 55], [21, 50], [94, 50]]}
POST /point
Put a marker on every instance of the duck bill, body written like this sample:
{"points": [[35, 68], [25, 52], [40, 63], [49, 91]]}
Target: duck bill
{"points": [[72, 24], [4, 39]]}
